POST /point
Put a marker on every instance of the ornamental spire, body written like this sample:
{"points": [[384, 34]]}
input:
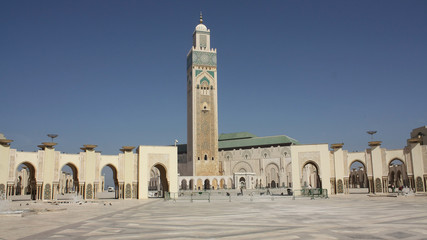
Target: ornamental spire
{"points": [[201, 17]]}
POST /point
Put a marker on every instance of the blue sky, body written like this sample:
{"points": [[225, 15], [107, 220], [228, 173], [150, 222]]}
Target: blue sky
{"points": [[113, 73]]}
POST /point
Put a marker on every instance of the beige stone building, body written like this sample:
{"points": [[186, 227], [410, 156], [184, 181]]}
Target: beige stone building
{"points": [[39, 176], [243, 160], [210, 161]]}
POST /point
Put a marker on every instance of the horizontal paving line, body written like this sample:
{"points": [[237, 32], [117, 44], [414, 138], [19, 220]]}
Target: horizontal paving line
{"points": [[43, 235]]}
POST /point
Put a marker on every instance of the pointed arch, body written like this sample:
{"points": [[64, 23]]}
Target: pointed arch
{"points": [[205, 79]]}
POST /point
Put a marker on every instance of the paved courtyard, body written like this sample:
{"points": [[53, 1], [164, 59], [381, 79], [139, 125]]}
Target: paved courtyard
{"points": [[346, 217]]}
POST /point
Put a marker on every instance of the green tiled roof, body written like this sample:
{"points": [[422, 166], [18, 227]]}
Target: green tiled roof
{"points": [[256, 142], [246, 140], [232, 136]]}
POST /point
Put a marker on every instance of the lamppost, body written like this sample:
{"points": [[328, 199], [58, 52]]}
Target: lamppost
{"points": [[52, 136], [372, 134]]}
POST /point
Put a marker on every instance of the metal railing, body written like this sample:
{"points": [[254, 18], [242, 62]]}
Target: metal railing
{"points": [[312, 193], [200, 196], [249, 194]]}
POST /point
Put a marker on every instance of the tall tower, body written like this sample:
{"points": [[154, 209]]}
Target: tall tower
{"points": [[202, 104]]}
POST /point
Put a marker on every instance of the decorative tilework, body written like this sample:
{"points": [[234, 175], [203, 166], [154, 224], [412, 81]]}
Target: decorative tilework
{"points": [[203, 58], [203, 80], [265, 153], [340, 186], [134, 190], [203, 32], [419, 184], [247, 154], [212, 73], [378, 187], [128, 191], [47, 191], [89, 191], [198, 72], [2, 188], [203, 41], [189, 59]]}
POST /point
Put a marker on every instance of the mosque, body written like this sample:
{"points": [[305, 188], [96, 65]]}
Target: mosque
{"points": [[210, 161]]}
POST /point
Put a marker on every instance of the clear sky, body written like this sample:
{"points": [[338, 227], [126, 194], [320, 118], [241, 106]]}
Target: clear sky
{"points": [[113, 73]]}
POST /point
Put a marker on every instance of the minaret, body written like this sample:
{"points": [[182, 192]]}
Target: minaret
{"points": [[202, 104]]}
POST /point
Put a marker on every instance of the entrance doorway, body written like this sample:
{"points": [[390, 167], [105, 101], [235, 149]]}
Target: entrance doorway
{"points": [[242, 182], [110, 184], [272, 174], [206, 185], [310, 176], [158, 182], [358, 178], [184, 184], [397, 176], [25, 182], [68, 181]]}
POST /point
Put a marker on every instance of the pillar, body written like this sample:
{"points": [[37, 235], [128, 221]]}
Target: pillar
{"points": [[90, 170], [129, 167], [339, 168], [48, 170], [377, 167], [417, 163], [4, 165]]}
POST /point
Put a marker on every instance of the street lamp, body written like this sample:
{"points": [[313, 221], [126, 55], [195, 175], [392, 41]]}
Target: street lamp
{"points": [[372, 134], [52, 136]]}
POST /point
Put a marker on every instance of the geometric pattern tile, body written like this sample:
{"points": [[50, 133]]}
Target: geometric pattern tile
{"points": [[346, 217]]}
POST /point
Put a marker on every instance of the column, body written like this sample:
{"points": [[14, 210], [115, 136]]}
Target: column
{"points": [[377, 166], [128, 170], [417, 163], [339, 168], [90, 169], [55, 186], [39, 192]]}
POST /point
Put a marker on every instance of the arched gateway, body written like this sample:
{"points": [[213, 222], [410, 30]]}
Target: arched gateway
{"points": [[235, 160], [49, 174]]}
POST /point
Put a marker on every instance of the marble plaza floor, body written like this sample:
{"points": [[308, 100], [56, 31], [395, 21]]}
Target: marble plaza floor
{"points": [[339, 217]]}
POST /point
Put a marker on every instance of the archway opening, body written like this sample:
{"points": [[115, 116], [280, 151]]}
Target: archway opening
{"points": [[25, 181], [68, 180], [214, 184], [230, 183], [184, 184], [289, 175], [397, 175], [109, 183], [273, 184], [310, 176], [191, 184], [272, 175], [199, 184], [358, 178], [158, 182], [242, 183], [207, 185], [222, 184]]}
